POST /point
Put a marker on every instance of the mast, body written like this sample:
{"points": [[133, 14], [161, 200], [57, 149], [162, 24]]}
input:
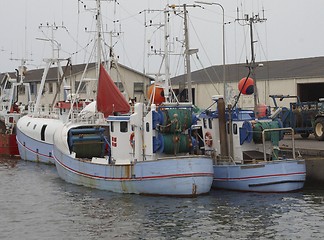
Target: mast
{"points": [[253, 65], [56, 47], [166, 84], [187, 53], [251, 20], [98, 24]]}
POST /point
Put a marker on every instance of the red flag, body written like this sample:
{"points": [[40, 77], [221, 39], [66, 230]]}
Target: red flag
{"points": [[109, 99]]}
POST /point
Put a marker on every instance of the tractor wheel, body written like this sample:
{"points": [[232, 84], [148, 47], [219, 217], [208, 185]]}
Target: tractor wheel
{"points": [[319, 129], [304, 135]]}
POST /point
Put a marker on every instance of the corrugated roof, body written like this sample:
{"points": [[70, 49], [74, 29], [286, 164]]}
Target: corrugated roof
{"points": [[281, 69]]}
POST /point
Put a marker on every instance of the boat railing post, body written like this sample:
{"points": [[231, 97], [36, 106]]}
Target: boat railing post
{"points": [[279, 129], [293, 142], [264, 145]]}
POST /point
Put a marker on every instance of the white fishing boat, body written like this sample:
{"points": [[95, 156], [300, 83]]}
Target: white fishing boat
{"points": [[254, 162], [15, 96], [245, 144], [146, 152], [35, 130]]}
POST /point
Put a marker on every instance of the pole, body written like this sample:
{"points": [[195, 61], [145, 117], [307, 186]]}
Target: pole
{"points": [[187, 54], [166, 86], [253, 66], [224, 66], [98, 16]]}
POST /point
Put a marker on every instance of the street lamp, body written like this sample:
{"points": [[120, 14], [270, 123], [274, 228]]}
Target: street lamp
{"points": [[224, 71]]}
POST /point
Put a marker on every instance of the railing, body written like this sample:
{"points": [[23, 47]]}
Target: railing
{"points": [[89, 118], [278, 129]]}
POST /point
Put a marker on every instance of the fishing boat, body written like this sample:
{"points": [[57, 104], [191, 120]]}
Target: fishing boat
{"points": [[245, 144], [255, 162], [143, 156], [15, 96], [35, 130], [145, 152]]}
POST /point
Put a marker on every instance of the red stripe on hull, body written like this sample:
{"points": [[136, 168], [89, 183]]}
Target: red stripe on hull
{"points": [[136, 178], [31, 150]]}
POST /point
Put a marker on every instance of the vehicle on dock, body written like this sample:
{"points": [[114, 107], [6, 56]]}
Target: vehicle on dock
{"points": [[299, 116], [304, 117], [319, 121]]}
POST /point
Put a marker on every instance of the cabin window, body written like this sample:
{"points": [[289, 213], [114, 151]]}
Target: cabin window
{"points": [[235, 128], [147, 127], [123, 127], [210, 125], [204, 122], [112, 127], [43, 132], [28, 124], [34, 126]]}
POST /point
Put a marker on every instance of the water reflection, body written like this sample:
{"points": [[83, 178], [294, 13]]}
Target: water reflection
{"points": [[35, 200], [221, 214], [6, 162]]}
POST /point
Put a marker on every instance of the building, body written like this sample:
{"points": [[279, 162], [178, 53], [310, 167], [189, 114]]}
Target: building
{"points": [[297, 77], [132, 84]]}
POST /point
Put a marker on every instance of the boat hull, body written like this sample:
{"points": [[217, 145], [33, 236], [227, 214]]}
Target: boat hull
{"points": [[187, 176], [272, 176], [35, 138], [34, 150], [8, 145]]}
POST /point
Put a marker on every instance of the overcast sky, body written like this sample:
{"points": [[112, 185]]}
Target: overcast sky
{"points": [[294, 29]]}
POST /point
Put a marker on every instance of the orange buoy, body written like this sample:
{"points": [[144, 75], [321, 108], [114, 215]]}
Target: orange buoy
{"points": [[246, 86], [158, 92]]}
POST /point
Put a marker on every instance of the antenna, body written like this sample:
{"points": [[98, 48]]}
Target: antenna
{"points": [[166, 51], [56, 46], [188, 51]]}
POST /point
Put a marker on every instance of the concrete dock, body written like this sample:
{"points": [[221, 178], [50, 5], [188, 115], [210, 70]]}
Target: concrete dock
{"points": [[311, 150]]}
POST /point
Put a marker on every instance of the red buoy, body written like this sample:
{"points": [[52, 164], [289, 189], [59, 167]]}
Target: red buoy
{"points": [[246, 86]]}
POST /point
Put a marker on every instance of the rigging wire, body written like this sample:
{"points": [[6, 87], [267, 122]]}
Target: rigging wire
{"points": [[207, 74], [204, 50]]}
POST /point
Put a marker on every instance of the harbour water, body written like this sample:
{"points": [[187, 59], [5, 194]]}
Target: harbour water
{"points": [[36, 204]]}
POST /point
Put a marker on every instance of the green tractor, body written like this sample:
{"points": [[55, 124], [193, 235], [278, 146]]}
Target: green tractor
{"points": [[319, 122]]}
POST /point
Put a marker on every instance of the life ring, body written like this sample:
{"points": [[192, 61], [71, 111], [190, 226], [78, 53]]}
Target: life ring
{"points": [[208, 139], [131, 139]]}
